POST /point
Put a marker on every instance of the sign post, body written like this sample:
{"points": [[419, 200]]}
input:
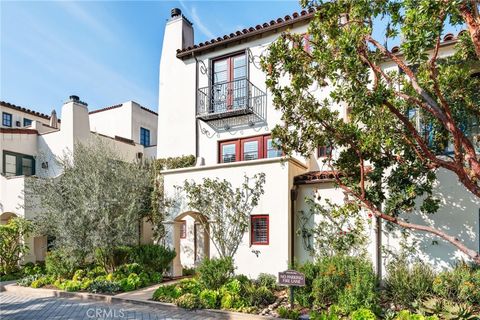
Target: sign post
{"points": [[292, 279]]}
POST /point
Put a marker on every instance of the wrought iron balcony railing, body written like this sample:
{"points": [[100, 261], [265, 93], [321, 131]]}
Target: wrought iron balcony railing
{"points": [[230, 99]]}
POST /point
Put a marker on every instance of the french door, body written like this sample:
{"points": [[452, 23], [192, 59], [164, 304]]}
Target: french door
{"points": [[229, 84]]}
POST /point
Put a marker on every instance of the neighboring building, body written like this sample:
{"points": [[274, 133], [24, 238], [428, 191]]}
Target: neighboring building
{"points": [[213, 103], [30, 150]]}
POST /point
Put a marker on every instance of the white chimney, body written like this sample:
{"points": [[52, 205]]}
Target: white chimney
{"points": [[75, 122], [176, 90]]}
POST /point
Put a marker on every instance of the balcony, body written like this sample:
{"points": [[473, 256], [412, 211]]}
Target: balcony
{"points": [[231, 99]]}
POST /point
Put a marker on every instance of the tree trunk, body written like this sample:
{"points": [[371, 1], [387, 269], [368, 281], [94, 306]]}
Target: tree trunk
{"points": [[472, 19]]}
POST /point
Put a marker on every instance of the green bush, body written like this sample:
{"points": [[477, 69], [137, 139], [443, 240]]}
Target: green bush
{"points": [[190, 286], [303, 295], [261, 296], [189, 301], [407, 315], [287, 313], [156, 277], [226, 301], [167, 293], [30, 269], [154, 258], [349, 282], [188, 271], [267, 280], [95, 272], [330, 314], [214, 273], [209, 298], [363, 314], [130, 283], [71, 285], [404, 285], [461, 284], [59, 263], [129, 268], [27, 281], [103, 286]]}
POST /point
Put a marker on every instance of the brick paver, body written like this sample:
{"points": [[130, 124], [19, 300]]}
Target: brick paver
{"points": [[17, 307]]}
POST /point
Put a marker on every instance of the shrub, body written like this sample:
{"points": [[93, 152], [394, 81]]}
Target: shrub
{"points": [[167, 293], [407, 315], [95, 272], [347, 281], [363, 314], [30, 269], [188, 301], [103, 286], [86, 283], [156, 277], [188, 272], [12, 246], [267, 280], [262, 296], [59, 263], [404, 284], [27, 281], [461, 284], [214, 273], [189, 286], [154, 258], [226, 301], [130, 268], [79, 275], [303, 295], [209, 298], [110, 259], [72, 285], [242, 278], [287, 313], [330, 314]]}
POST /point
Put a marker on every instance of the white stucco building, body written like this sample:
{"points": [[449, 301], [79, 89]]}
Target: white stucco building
{"points": [[213, 103], [30, 142]]}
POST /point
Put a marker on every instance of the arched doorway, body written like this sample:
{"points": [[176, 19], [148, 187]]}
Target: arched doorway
{"points": [[189, 237], [6, 216]]}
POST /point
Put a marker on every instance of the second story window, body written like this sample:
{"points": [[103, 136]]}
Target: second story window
{"points": [[258, 147], [16, 164], [145, 137], [27, 122], [324, 151], [6, 119]]}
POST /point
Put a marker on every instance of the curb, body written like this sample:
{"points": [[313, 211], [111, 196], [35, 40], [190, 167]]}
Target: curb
{"points": [[40, 292]]}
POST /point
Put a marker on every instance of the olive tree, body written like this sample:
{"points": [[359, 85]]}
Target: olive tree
{"points": [[96, 204], [226, 209], [400, 122]]}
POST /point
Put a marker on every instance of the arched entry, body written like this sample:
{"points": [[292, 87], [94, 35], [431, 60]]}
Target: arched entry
{"points": [[6, 216], [188, 235]]}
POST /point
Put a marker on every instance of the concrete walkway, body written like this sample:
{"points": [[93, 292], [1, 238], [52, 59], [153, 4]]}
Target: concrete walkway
{"points": [[143, 294]]}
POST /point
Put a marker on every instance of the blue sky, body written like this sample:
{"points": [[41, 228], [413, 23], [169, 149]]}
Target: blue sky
{"points": [[106, 52]]}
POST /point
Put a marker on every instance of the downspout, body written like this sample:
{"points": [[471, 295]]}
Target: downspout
{"points": [[378, 248], [196, 98], [293, 198]]}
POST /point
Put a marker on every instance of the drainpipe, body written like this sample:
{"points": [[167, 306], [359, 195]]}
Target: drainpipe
{"points": [[196, 97], [293, 198], [378, 248]]}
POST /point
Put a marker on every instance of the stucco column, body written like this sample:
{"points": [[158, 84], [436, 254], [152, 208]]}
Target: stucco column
{"points": [[172, 241]]}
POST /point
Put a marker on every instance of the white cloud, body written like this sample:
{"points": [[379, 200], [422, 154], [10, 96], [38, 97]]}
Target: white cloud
{"points": [[197, 21]]}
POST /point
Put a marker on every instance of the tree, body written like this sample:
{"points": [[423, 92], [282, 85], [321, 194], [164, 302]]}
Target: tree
{"points": [[401, 121], [12, 243], [227, 209], [96, 203]]}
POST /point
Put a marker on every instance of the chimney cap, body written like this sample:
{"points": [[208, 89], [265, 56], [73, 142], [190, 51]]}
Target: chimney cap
{"points": [[176, 12], [74, 98]]}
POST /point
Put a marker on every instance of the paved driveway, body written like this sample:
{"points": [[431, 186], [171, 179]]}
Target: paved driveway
{"points": [[18, 307]]}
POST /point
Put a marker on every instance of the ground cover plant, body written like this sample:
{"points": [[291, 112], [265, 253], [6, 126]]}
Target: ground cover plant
{"points": [[139, 266]]}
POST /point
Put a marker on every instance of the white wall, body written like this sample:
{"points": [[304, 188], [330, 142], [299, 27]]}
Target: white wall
{"points": [[18, 115], [250, 259]]}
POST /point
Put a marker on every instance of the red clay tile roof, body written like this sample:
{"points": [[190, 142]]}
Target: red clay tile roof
{"points": [[247, 33], [118, 106], [18, 131], [315, 177], [449, 38], [22, 109]]}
